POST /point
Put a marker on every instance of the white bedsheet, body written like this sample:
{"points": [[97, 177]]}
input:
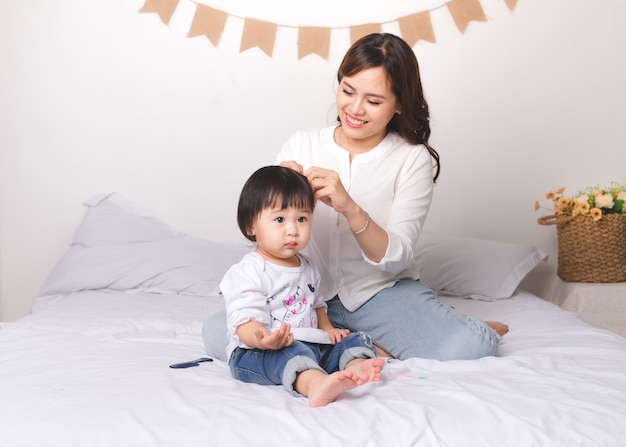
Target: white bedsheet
{"points": [[91, 369]]}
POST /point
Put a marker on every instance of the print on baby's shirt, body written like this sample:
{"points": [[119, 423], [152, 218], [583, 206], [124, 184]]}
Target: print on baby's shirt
{"points": [[296, 309]]}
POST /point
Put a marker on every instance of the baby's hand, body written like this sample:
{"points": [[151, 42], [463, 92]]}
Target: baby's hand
{"points": [[337, 334], [279, 339]]}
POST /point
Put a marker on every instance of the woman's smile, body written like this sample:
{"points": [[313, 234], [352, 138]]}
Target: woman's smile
{"points": [[354, 122]]}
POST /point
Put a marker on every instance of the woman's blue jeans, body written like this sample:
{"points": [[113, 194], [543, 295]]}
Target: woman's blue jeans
{"points": [[280, 367], [408, 320]]}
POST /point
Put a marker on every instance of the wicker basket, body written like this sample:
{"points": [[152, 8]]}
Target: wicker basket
{"points": [[590, 251]]}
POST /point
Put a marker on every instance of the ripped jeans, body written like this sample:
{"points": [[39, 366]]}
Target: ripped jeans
{"points": [[409, 320]]}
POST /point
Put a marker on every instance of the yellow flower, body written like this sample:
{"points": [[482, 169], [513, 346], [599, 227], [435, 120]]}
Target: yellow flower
{"points": [[561, 204], [596, 213], [580, 208], [594, 200]]}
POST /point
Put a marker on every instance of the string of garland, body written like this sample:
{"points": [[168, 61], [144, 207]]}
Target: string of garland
{"points": [[210, 22]]}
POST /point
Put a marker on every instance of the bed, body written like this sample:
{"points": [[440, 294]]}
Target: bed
{"points": [[90, 366]]}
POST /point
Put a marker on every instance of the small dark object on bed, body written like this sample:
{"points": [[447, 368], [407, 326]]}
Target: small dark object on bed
{"points": [[191, 363]]}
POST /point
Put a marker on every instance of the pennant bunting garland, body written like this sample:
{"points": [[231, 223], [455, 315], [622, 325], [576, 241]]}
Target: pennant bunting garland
{"points": [[313, 40], [210, 22], [164, 8], [464, 11], [510, 3], [358, 31], [416, 27], [257, 33]]}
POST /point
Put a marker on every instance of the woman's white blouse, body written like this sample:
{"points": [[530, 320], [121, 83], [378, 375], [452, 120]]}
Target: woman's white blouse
{"points": [[393, 182]]}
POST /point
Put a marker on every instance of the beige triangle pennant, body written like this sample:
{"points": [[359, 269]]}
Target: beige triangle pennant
{"points": [[511, 4], [415, 27], [257, 33], [208, 22], [358, 31], [313, 40], [164, 8], [464, 11]]}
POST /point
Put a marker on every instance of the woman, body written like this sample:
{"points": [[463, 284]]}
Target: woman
{"points": [[374, 171]]}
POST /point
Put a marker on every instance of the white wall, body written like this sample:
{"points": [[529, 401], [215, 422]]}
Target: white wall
{"points": [[96, 97]]}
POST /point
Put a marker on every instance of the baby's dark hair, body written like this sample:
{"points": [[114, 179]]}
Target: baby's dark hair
{"points": [[272, 186]]}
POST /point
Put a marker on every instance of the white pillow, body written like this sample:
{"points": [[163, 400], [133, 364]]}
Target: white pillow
{"points": [[476, 268], [119, 248], [113, 219]]}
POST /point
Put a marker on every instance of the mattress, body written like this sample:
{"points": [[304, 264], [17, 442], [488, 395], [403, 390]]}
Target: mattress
{"points": [[90, 365], [92, 369]]}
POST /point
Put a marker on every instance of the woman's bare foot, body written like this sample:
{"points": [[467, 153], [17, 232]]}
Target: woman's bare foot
{"points": [[367, 369], [326, 390], [499, 328]]}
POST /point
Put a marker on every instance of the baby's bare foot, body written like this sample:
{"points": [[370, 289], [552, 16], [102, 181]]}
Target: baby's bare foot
{"points": [[327, 389], [367, 369], [499, 328]]}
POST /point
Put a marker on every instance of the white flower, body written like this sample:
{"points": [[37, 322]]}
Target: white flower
{"points": [[621, 196], [604, 201], [582, 198]]}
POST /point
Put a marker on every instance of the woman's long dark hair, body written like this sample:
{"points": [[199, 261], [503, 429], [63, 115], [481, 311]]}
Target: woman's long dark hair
{"points": [[400, 64]]}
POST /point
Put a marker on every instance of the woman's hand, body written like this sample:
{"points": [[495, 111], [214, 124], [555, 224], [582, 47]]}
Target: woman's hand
{"points": [[328, 188], [293, 165]]}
